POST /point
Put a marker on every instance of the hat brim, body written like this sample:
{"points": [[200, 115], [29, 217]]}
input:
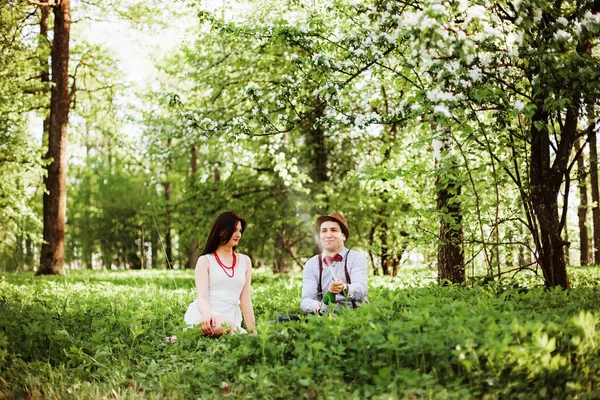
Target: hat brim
{"points": [[324, 218]]}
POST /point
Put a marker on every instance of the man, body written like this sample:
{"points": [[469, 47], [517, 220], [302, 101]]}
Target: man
{"points": [[337, 270]]}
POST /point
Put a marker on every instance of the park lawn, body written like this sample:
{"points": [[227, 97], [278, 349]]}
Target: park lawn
{"points": [[95, 334]]}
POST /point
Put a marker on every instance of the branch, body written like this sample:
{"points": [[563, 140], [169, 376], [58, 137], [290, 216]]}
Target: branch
{"points": [[49, 3]]}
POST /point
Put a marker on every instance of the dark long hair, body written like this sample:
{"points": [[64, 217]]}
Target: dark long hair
{"points": [[222, 231]]}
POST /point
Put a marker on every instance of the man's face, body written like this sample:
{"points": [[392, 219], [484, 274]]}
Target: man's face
{"points": [[332, 238]]}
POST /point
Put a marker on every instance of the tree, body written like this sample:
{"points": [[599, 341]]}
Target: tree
{"points": [[55, 196], [583, 207]]}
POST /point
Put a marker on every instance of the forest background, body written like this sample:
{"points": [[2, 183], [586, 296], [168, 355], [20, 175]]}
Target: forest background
{"points": [[457, 134]]}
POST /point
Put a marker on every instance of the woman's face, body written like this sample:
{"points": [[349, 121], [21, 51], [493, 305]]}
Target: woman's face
{"points": [[237, 235]]}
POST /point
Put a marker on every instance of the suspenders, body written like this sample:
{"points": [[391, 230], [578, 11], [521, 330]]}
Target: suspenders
{"points": [[320, 287]]}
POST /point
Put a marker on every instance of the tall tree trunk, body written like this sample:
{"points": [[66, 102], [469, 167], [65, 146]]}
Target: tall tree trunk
{"points": [[281, 262], [167, 186], [29, 252], [194, 250], [45, 67], [154, 245], [55, 196], [384, 254], [582, 210], [592, 137], [546, 179], [451, 264], [450, 251], [371, 246]]}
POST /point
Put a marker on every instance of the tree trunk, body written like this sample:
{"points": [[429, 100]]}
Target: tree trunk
{"points": [[546, 179], [194, 252], [45, 75], [582, 210], [167, 186], [451, 264], [385, 259], [55, 196], [450, 251], [595, 194], [168, 241], [372, 246]]}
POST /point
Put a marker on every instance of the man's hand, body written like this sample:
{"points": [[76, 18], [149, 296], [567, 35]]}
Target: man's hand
{"points": [[337, 286]]}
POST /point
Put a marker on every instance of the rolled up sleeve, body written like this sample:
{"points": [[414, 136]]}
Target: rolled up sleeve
{"points": [[358, 270]]}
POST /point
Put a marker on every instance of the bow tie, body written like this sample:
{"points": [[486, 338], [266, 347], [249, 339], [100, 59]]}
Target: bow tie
{"points": [[328, 260]]}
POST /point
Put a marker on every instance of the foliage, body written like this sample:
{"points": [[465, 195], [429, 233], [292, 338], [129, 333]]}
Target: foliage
{"points": [[101, 334], [20, 158]]}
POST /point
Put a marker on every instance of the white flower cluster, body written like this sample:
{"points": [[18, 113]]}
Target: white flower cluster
{"points": [[437, 95], [591, 19], [561, 36]]}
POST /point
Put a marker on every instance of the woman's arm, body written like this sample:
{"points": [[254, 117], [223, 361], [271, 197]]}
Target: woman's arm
{"points": [[202, 288], [246, 299]]}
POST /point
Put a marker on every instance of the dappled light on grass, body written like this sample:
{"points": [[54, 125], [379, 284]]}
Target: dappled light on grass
{"points": [[98, 335]]}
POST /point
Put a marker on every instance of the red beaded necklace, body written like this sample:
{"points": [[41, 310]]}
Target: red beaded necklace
{"points": [[224, 267]]}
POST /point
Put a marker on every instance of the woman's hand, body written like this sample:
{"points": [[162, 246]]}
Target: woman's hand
{"points": [[208, 325]]}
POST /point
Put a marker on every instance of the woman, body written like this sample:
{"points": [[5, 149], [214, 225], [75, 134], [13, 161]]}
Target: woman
{"points": [[222, 281]]}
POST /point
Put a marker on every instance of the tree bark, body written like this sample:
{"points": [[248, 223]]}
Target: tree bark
{"points": [[194, 252], [55, 196], [546, 179], [451, 264], [582, 210], [281, 262], [385, 259], [45, 76], [450, 251], [167, 186], [595, 195]]}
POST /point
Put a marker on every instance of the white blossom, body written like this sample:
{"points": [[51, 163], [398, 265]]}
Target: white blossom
{"points": [[442, 109], [436, 95], [439, 9], [475, 74], [537, 15], [452, 66], [476, 12], [561, 36], [591, 19], [428, 23], [519, 105], [412, 19], [485, 59]]}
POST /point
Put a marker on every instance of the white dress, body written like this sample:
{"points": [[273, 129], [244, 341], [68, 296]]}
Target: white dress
{"points": [[223, 292]]}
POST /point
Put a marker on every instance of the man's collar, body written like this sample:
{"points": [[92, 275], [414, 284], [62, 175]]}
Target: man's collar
{"points": [[343, 252]]}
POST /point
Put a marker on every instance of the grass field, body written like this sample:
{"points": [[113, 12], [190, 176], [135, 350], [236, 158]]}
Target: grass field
{"points": [[94, 334]]}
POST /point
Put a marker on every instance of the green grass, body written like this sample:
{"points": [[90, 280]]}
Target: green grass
{"points": [[95, 334]]}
